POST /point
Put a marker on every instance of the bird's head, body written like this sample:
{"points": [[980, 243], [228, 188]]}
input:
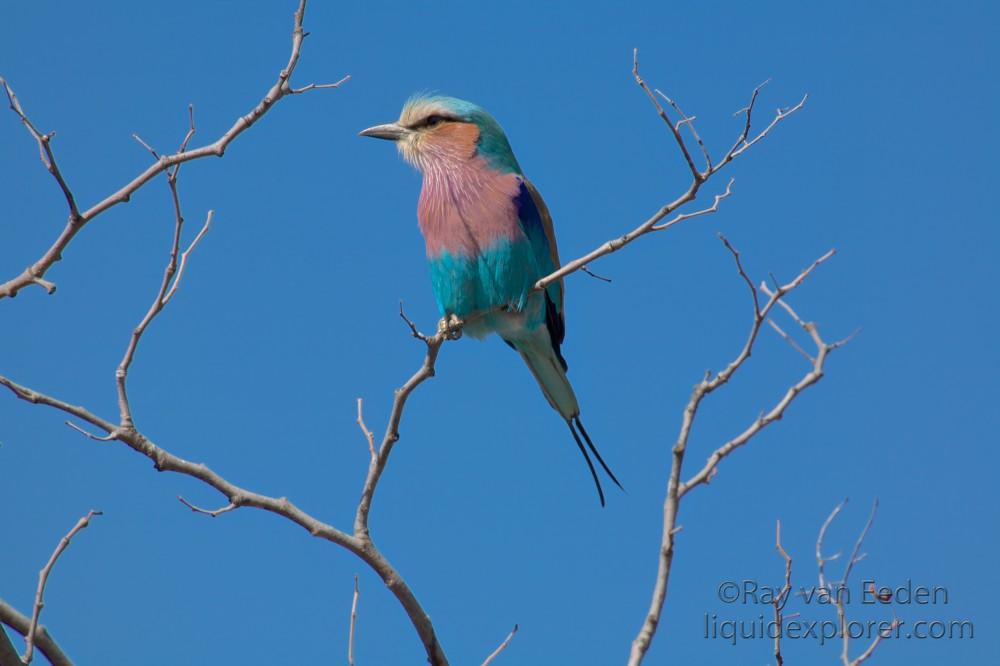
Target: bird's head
{"points": [[436, 132]]}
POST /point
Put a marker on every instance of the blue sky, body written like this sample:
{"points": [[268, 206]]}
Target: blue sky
{"points": [[288, 313]]}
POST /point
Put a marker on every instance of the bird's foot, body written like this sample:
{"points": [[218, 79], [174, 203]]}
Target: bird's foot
{"points": [[451, 327]]}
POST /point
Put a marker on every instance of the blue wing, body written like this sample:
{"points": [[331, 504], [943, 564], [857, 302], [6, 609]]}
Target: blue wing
{"points": [[537, 226]]}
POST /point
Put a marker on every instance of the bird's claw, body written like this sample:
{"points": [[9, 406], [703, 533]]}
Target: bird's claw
{"points": [[451, 327]]}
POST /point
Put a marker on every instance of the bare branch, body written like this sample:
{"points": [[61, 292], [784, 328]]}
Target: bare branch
{"points": [[855, 557], [377, 464], [77, 220], [354, 619], [413, 327], [698, 178], [680, 217], [743, 274], [369, 435], [44, 151], [837, 592], [319, 86], [689, 121], [89, 435], [184, 257], [791, 341], [500, 648], [674, 129], [676, 489], [145, 145], [163, 296], [782, 598], [43, 639], [208, 512], [595, 275], [43, 577]]}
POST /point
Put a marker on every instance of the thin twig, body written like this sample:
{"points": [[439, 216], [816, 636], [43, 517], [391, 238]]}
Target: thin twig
{"points": [[595, 275], [184, 257], [782, 598], [837, 594], [89, 435], [369, 435], [43, 577], [319, 86], [674, 129], [163, 295], [500, 648], [354, 619], [791, 341], [689, 121], [208, 512]]}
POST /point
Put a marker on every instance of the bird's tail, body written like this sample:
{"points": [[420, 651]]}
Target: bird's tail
{"points": [[549, 369]]}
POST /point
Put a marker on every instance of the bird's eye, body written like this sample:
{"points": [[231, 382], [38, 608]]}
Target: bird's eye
{"points": [[434, 120]]}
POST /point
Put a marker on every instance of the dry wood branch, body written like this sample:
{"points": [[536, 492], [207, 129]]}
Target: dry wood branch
{"points": [[164, 461], [208, 512], [689, 121], [698, 178], [837, 590], [44, 150], [77, 220], [595, 275], [319, 86], [674, 129], [791, 341], [377, 465], [163, 296], [676, 489], [782, 598], [354, 620], [47, 645], [501, 647], [368, 434], [43, 577]]}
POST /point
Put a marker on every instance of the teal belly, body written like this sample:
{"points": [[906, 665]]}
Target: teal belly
{"points": [[501, 276]]}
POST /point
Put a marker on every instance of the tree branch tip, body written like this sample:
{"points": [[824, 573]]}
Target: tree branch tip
{"points": [[587, 270], [49, 287], [212, 513], [97, 438]]}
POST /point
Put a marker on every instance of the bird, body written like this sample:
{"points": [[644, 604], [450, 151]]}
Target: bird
{"points": [[489, 238]]}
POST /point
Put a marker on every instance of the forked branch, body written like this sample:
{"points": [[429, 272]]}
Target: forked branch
{"points": [[698, 177], [34, 273], [676, 488]]}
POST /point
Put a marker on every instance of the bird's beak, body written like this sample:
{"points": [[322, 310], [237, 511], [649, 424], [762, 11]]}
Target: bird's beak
{"points": [[389, 131]]}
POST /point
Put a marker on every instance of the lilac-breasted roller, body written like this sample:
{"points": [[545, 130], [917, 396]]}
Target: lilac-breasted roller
{"points": [[489, 238]]}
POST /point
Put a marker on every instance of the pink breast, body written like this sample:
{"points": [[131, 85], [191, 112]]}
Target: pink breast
{"points": [[467, 207]]}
